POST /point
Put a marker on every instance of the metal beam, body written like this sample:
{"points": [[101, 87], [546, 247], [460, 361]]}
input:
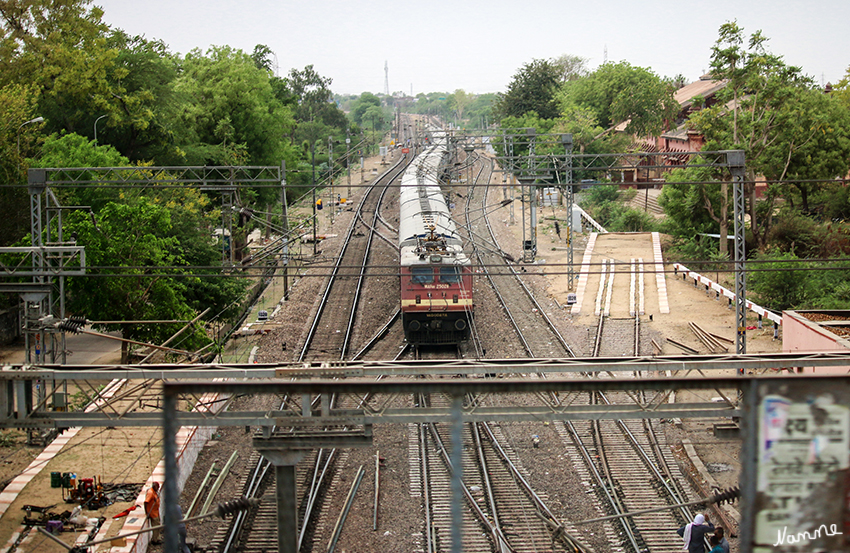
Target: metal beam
{"points": [[300, 379], [270, 419], [737, 166], [199, 176], [467, 367]]}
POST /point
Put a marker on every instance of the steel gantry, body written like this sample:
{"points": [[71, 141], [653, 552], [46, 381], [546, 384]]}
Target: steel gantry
{"points": [[308, 429], [535, 159], [52, 256], [19, 408]]}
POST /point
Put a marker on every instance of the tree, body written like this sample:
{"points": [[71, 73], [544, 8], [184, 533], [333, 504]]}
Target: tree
{"points": [[229, 114], [481, 108], [17, 143], [570, 68], [814, 143], [313, 97], [141, 119], [131, 237], [366, 100], [841, 90], [458, 101], [60, 48], [532, 88], [264, 58], [375, 116], [786, 128], [165, 226], [618, 92], [692, 204]]}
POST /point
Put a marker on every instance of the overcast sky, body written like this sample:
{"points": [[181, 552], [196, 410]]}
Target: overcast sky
{"points": [[444, 45]]}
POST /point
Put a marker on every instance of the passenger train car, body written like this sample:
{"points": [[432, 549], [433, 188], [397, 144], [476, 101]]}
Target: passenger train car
{"points": [[436, 276]]}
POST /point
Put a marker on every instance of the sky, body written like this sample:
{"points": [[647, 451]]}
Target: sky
{"points": [[446, 45]]}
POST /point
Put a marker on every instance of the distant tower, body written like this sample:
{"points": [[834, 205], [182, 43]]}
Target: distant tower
{"points": [[605, 55], [386, 79]]}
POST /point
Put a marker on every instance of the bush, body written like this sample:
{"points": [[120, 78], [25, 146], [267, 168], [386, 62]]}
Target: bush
{"points": [[598, 195], [633, 220], [792, 232], [776, 284]]}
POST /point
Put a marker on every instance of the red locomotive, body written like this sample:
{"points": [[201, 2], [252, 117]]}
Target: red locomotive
{"points": [[436, 276]]}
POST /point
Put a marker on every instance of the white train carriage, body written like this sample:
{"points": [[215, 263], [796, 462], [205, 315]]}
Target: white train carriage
{"points": [[436, 277]]}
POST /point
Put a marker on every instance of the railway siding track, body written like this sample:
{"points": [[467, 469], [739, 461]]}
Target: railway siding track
{"points": [[630, 468], [503, 513], [330, 333], [535, 331]]}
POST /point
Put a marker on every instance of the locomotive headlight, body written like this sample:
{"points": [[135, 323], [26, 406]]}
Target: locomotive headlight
{"points": [[436, 259]]}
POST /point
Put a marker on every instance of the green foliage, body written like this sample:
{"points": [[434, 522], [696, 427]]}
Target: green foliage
{"points": [[788, 129], [692, 247], [480, 110], [787, 281], [618, 92], [73, 150], [229, 114], [841, 91], [570, 68], [795, 233], [374, 117], [312, 95], [17, 106], [632, 220], [605, 203], [140, 122], [532, 88], [132, 237], [362, 104], [778, 284], [458, 101], [164, 227], [60, 48], [691, 201], [597, 195], [833, 200]]}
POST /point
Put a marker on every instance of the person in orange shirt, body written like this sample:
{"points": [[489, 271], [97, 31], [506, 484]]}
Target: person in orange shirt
{"points": [[152, 510]]}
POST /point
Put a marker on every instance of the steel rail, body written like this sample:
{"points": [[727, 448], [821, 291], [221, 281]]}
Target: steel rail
{"points": [[544, 512], [485, 476], [673, 493], [499, 539], [397, 170], [474, 331], [308, 341], [378, 335], [600, 482], [430, 538], [525, 288]]}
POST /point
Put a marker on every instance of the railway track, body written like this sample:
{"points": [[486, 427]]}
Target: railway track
{"points": [[604, 453], [503, 513], [610, 452], [330, 334], [535, 332]]}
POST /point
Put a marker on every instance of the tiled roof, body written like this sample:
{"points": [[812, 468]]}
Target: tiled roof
{"points": [[704, 87]]}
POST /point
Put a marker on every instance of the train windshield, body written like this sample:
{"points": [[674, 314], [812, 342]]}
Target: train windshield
{"points": [[450, 275], [422, 275]]}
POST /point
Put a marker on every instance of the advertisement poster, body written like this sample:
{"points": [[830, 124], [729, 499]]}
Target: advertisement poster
{"points": [[804, 453]]}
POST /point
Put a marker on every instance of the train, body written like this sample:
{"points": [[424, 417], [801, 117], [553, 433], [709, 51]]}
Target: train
{"points": [[436, 275]]}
